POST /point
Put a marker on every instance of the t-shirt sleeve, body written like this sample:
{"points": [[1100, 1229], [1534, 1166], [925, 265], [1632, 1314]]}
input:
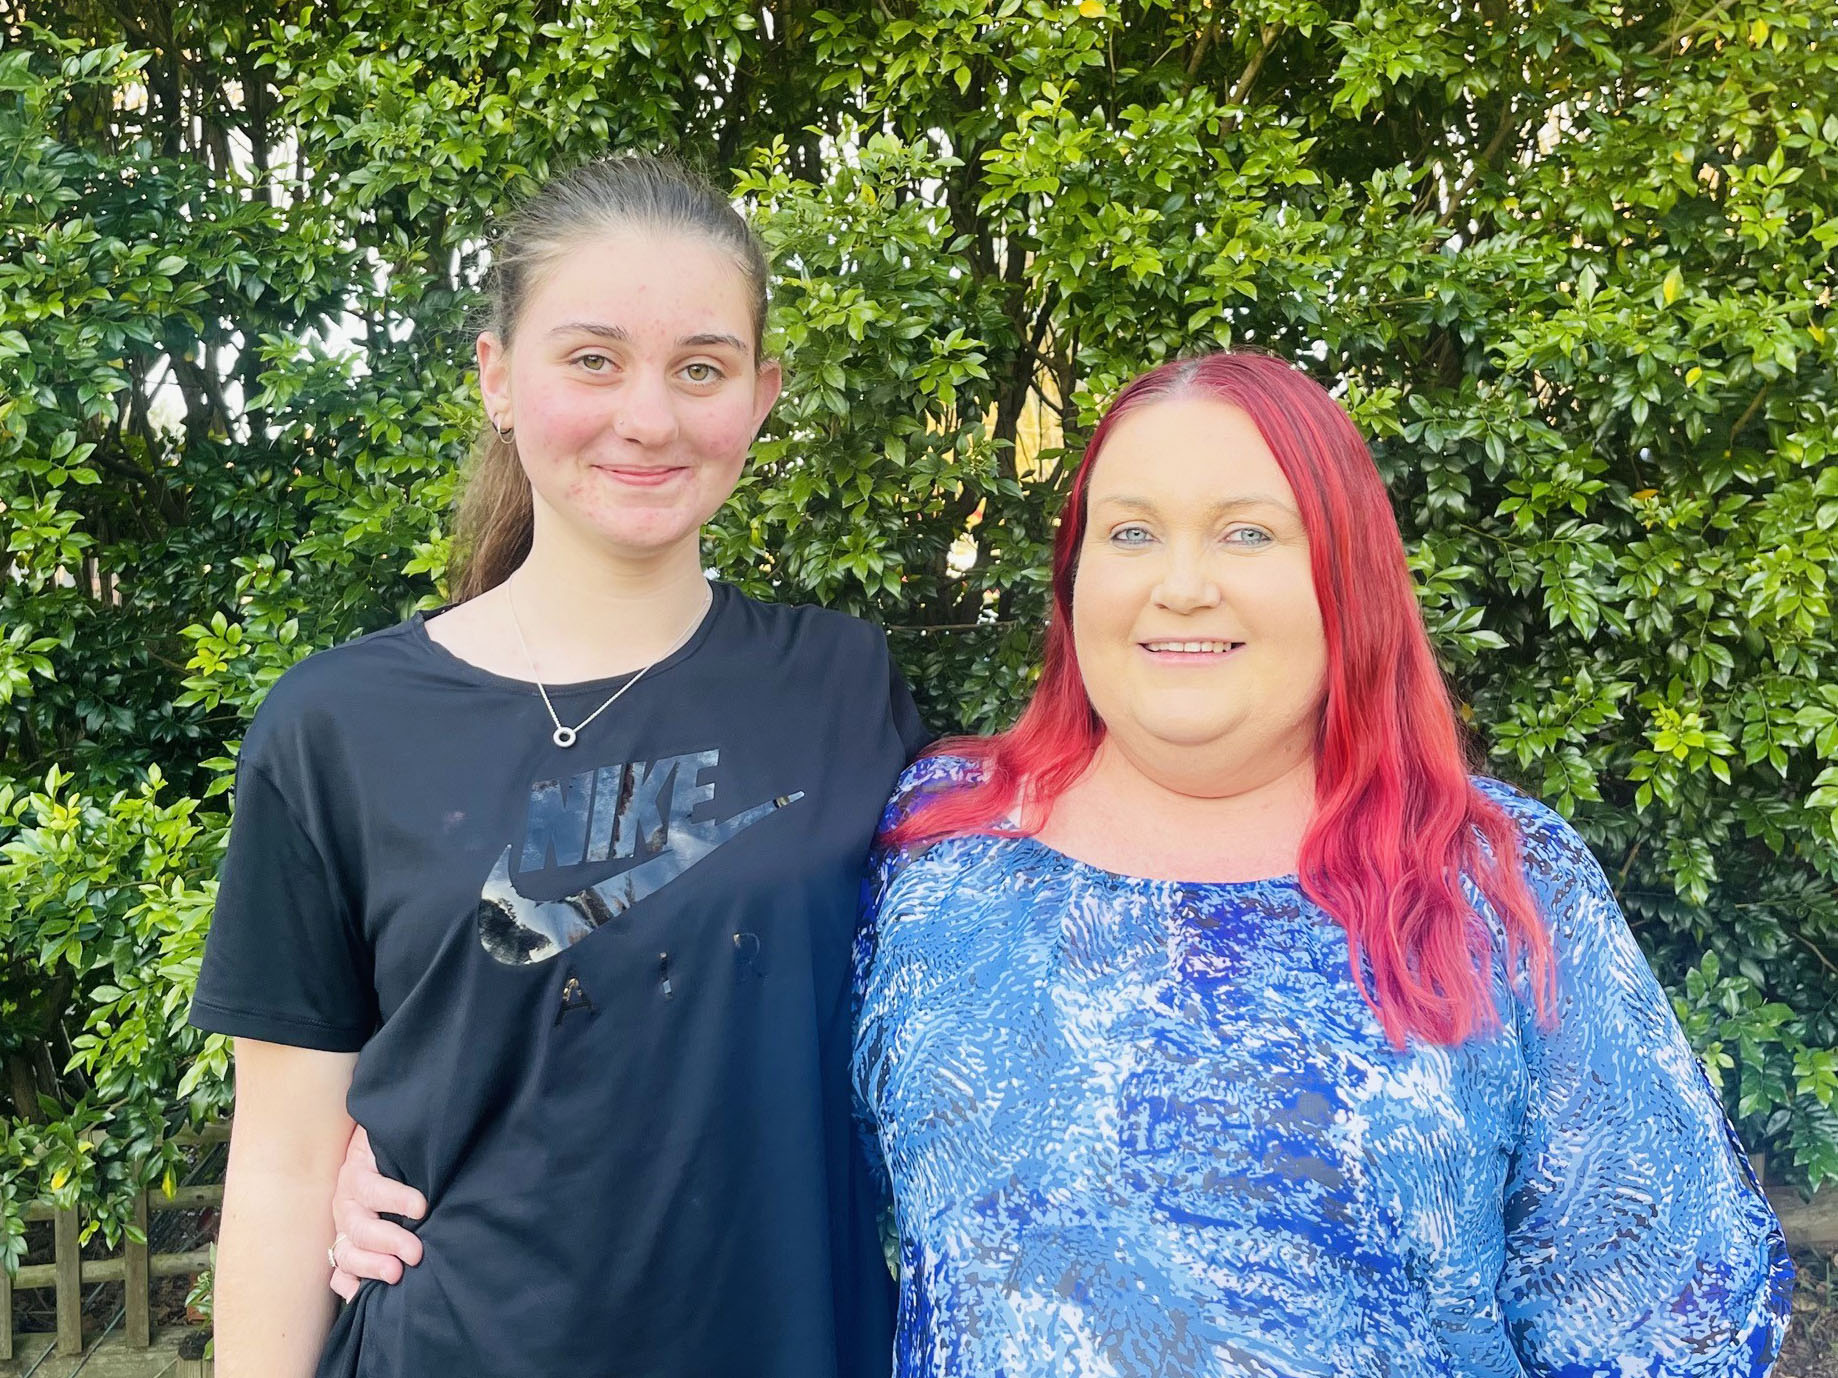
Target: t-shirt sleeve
{"points": [[285, 960], [1637, 1239]]}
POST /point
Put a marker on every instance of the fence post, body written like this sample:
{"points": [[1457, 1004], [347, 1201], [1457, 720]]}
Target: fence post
{"points": [[6, 1313], [69, 1262], [135, 1281]]}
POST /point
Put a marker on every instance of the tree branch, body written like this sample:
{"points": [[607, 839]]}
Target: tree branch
{"points": [[953, 626], [1749, 415], [1265, 41], [1627, 865], [1208, 36], [1481, 164], [204, 403], [1813, 948], [1672, 38]]}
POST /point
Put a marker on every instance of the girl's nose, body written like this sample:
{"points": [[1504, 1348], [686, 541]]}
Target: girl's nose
{"points": [[646, 411]]}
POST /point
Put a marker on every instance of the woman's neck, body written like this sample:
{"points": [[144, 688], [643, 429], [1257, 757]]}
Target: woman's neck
{"points": [[1120, 817]]}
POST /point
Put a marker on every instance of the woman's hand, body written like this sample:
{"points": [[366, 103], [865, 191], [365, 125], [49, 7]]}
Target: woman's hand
{"points": [[368, 1246]]}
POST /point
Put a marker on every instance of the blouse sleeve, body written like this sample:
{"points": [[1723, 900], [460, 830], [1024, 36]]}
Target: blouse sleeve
{"points": [[925, 776], [1637, 1240], [883, 861]]}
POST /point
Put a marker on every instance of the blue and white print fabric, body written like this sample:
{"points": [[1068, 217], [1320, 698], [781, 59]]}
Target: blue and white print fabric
{"points": [[1138, 1129]]}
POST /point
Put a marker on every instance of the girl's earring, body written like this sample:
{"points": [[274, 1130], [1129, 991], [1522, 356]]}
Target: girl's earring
{"points": [[505, 433]]}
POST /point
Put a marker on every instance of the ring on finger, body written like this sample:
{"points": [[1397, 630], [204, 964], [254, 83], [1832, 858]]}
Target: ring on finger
{"points": [[331, 1253]]}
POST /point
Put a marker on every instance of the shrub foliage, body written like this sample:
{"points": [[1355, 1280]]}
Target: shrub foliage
{"points": [[1569, 262]]}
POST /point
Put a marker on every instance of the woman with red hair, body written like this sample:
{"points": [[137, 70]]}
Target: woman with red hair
{"points": [[1214, 1020]]}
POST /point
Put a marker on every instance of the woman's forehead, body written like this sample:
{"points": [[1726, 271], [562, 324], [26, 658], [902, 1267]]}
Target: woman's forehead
{"points": [[1189, 446]]}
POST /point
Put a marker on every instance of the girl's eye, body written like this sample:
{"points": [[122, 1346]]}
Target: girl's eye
{"points": [[1130, 536], [594, 363], [702, 373], [1248, 536]]}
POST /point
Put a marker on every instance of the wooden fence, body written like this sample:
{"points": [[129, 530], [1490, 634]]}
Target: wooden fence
{"points": [[136, 1267], [1808, 1224]]}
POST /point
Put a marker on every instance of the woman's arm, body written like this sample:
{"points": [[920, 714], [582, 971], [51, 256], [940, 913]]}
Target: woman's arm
{"points": [[1636, 1237], [377, 1249], [272, 1309]]}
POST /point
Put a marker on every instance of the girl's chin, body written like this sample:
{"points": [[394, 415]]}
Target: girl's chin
{"points": [[631, 528], [646, 538], [634, 518]]}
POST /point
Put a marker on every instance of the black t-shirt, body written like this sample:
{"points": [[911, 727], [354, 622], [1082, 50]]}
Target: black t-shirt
{"points": [[599, 996]]}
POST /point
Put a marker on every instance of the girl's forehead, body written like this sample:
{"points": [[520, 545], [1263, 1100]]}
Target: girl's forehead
{"points": [[640, 273]]}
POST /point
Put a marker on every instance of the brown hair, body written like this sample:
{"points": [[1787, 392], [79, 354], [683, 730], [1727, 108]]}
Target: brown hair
{"points": [[492, 529]]}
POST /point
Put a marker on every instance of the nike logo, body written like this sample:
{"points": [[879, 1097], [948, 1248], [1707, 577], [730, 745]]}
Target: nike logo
{"points": [[519, 931]]}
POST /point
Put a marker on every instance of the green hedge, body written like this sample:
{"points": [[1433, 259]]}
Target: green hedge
{"points": [[1570, 262]]}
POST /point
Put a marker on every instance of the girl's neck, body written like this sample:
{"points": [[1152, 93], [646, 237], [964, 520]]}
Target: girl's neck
{"points": [[585, 618], [585, 613]]}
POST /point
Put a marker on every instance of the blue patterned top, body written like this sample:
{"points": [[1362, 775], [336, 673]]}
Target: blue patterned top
{"points": [[1139, 1128]]}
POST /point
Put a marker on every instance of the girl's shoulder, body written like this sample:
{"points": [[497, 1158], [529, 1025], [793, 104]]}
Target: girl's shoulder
{"points": [[805, 626], [318, 692]]}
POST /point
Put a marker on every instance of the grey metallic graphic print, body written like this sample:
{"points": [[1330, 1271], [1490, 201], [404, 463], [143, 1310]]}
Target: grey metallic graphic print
{"points": [[611, 813]]}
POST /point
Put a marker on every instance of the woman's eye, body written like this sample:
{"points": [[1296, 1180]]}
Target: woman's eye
{"points": [[1248, 536], [702, 373], [1130, 535], [594, 363]]}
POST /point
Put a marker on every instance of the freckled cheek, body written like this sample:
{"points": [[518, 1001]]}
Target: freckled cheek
{"points": [[558, 420], [721, 437]]}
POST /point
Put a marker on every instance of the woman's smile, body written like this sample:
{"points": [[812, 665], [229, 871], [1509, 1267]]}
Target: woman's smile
{"points": [[1190, 652]]}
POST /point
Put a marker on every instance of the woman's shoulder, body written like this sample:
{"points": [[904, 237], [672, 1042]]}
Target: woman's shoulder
{"points": [[1549, 843], [1568, 883], [931, 778], [946, 769], [935, 774]]}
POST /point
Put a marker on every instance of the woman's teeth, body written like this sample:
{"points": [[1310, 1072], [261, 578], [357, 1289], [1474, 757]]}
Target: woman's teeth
{"points": [[1192, 647]]}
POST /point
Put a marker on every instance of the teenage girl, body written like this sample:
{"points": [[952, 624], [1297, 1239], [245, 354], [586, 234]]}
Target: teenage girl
{"points": [[553, 890]]}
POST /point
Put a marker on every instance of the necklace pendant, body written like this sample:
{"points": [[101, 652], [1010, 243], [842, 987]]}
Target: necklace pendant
{"points": [[565, 737]]}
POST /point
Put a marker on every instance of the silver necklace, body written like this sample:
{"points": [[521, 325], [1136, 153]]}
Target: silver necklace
{"points": [[565, 736]]}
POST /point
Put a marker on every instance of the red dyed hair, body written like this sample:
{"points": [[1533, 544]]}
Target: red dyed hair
{"points": [[1397, 823]]}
